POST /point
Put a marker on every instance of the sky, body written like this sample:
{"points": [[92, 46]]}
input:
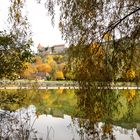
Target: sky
{"points": [[42, 30]]}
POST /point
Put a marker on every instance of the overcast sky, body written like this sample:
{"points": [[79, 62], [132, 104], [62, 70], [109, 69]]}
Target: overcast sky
{"points": [[42, 30]]}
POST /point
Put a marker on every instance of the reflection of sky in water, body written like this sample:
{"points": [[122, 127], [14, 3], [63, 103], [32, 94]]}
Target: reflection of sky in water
{"points": [[53, 128], [59, 129], [56, 128]]}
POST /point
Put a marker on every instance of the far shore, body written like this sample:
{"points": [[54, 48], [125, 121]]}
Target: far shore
{"points": [[63, 84]]}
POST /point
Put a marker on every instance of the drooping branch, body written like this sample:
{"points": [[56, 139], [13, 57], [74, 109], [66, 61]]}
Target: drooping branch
{"points": [[113, 26]]}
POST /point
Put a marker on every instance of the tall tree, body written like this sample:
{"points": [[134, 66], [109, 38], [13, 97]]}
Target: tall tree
{"points": [[113, 24], [104, 38]]}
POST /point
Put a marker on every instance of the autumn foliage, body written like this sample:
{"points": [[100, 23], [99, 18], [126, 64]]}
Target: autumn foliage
{"points": [[130, 74], [47, 67], [59, 75]]}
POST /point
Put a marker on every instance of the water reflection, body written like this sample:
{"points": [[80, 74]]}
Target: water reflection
{"points": [[98, 115], [17, 125], [24, 124], [54, 102], [110, 107]]}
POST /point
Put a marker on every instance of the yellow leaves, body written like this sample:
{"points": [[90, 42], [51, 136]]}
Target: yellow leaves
{"points": [[46, 96], [44, 68], [50, 59], [59, 91], [38, 60], [130, 95], [95, 48], [59, 75], [30, 69], [107, 36], [130, 74]]}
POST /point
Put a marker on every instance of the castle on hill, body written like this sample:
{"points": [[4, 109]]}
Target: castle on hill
{"points": [[55, 49]]}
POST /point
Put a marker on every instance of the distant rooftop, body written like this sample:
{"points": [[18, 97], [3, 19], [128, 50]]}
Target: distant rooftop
{"points": [[57, 48], [60, 45], [53, 49], [40, 46]]}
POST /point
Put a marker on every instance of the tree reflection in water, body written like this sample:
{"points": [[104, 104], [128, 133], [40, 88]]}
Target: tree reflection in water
{"points": [[98, 112], [107, 106]]}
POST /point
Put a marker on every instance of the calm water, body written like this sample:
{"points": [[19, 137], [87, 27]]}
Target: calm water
{"points": [[62, 115]]}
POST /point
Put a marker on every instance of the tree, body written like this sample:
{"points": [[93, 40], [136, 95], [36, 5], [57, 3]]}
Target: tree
{"points": [[38, 60], [12, 57], [104, 36], [59, 75], [113, 24], [88, 21], [15, 42], [29, 72], [46, 68]]}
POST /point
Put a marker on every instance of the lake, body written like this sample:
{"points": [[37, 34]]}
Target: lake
{"points": [[64, 114]]}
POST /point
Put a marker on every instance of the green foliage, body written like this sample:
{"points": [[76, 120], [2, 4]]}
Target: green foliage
{"points": [[85, 22], [45, 101], [107, 106], [110, 107], [12, 56], [15, 42], [12, 100], [92, 29]]}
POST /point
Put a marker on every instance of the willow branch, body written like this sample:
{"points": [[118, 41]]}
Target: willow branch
{"points": [[110, 28]]}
